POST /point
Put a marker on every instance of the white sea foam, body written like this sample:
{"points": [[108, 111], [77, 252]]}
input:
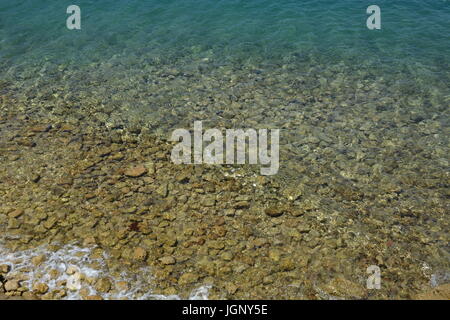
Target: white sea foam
{"points": [[74, 263]]}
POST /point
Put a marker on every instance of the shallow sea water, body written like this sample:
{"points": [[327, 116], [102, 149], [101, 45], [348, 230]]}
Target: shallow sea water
{"points": [[356, 107]]}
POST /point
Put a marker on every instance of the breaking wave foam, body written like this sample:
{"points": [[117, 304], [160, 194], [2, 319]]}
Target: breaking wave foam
{"points": [[74, 267]]}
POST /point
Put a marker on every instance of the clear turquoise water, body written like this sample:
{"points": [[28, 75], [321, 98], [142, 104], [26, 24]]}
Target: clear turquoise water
{"points": [[413, 30], [358, 107], [123, 55]]}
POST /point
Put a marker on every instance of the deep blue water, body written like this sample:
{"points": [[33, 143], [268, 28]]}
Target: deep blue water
{"points": [[415, 30]]}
